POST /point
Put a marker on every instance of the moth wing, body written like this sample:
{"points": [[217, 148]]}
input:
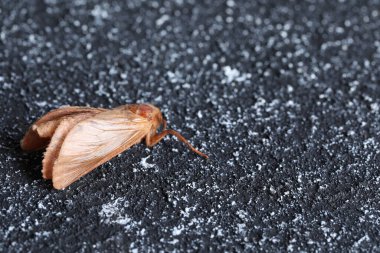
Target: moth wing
{"points": [[39, 134], [52, 150], [96, 140]]}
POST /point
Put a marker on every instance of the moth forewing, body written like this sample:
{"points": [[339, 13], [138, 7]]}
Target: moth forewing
{"points": [[95, 141], [39, 134], [52, 151]]}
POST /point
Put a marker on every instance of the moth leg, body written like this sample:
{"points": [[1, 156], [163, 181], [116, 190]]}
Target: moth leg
{"points": [[152, 140]]}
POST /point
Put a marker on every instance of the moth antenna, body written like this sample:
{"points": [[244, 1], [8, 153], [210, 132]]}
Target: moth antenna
{"points": [[156, 138], [181, 138]]}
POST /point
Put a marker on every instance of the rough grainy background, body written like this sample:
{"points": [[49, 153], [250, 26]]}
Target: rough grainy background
{"points": [[283, 95]]}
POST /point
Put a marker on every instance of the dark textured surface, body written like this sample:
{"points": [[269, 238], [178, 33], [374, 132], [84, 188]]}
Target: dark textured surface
{"points": [[284, 96]]}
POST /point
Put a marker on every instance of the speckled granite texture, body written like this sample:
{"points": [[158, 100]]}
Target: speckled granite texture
{"points": [[283, 95]]}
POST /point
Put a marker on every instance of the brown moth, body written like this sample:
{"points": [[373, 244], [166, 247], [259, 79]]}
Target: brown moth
{"points": [[79, 139]]}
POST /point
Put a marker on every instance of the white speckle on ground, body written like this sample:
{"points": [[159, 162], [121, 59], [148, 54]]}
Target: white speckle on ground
{"points": [[375, 107], [123, 75], [234, 75], [177, 230], [41, 103], [41, 206], [361, 240], [175, 77], [145, 164], [99, 12], [114, 212], [162, 20], [43, 234], [112, 71], [241, 228]]}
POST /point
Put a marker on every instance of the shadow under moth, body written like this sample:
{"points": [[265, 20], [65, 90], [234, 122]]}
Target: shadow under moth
{"points": [[79, 139]]}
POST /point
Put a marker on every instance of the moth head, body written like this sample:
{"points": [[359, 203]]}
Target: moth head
{"points": [[149, 112]]}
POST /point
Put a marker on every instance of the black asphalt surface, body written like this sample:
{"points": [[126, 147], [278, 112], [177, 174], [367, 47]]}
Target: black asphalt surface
{"points": [[284, 96]]}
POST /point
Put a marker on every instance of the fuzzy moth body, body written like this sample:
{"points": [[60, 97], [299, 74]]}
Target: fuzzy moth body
{"points": [[79, 139]]}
